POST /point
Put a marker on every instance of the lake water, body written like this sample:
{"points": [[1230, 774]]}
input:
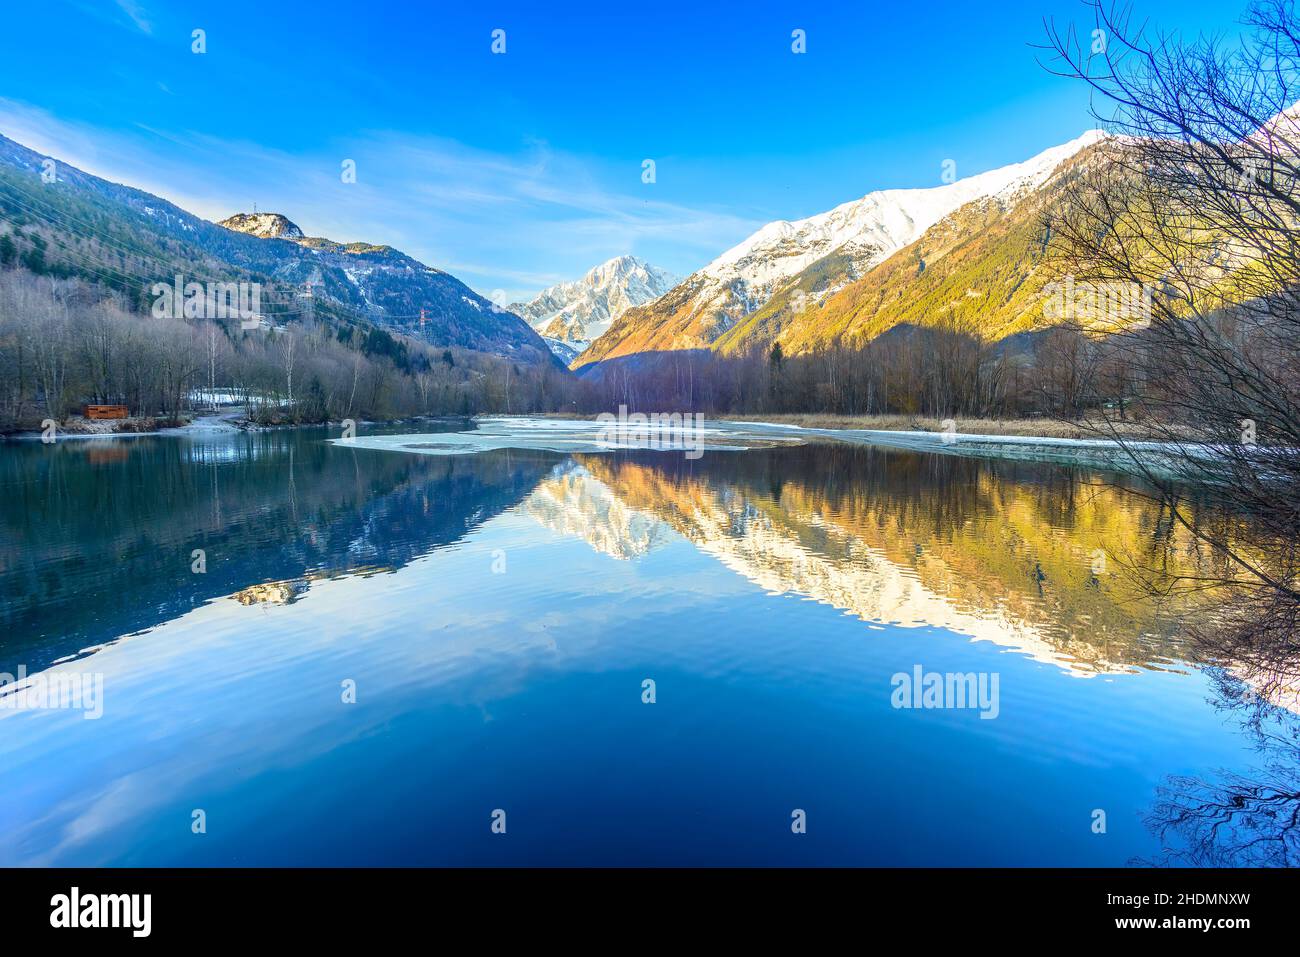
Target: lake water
{"points": [[378, 655]]}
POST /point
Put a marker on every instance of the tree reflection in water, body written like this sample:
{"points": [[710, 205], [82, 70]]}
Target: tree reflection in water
{"points": [[1237, 819]]}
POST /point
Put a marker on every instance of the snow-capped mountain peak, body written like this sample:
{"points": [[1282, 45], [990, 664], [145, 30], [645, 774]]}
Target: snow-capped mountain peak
{"points": [[569, 315], [877, 225]]}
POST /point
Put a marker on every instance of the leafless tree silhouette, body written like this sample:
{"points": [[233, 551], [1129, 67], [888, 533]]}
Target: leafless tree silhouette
{"points": [[1193, 204]]}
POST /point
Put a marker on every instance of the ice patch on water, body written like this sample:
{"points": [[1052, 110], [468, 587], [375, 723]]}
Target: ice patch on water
{"points": [[573, 435]]}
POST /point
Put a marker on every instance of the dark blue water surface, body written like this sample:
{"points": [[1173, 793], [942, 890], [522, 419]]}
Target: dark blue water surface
{"points": [[498, 615]]}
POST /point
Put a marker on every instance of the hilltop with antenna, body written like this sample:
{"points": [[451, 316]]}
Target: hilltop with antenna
{"points": [[263, 225]]}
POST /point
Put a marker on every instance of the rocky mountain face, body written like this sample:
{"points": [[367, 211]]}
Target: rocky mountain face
{"points": [[773, 286], [396, 291], [570, 315], [263, 225]]}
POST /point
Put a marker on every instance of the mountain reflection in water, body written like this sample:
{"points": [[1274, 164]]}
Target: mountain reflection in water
{"points": [[96, 548], [1002, 552], [499, 612]]}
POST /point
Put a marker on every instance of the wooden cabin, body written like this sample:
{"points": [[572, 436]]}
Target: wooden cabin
{"points": [[106, 412]]}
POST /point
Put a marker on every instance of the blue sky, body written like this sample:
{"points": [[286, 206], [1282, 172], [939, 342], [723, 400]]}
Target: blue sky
{"points": [[519, 170]]}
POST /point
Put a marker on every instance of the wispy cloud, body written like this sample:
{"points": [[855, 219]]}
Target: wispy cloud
{"points": [[513, 222], [137, 14]]}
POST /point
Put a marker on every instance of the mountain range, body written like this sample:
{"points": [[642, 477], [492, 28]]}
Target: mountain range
{"points": [[970, 250], [70, 222]]}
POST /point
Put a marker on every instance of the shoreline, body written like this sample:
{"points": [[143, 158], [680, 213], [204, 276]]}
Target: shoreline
{"points": [[1004, 440], [1032, 428], [230, 422], [1142, 458]]}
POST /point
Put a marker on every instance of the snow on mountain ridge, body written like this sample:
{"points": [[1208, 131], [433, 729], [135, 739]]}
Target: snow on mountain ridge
{"points": [[877, 225], [574, 313]]}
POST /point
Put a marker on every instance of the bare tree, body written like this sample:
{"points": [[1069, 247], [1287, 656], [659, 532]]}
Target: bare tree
{"points": [[1194, 202], [286, 358]]}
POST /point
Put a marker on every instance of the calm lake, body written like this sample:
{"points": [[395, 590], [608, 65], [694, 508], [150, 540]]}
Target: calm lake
{"points": [[313, 654]]}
